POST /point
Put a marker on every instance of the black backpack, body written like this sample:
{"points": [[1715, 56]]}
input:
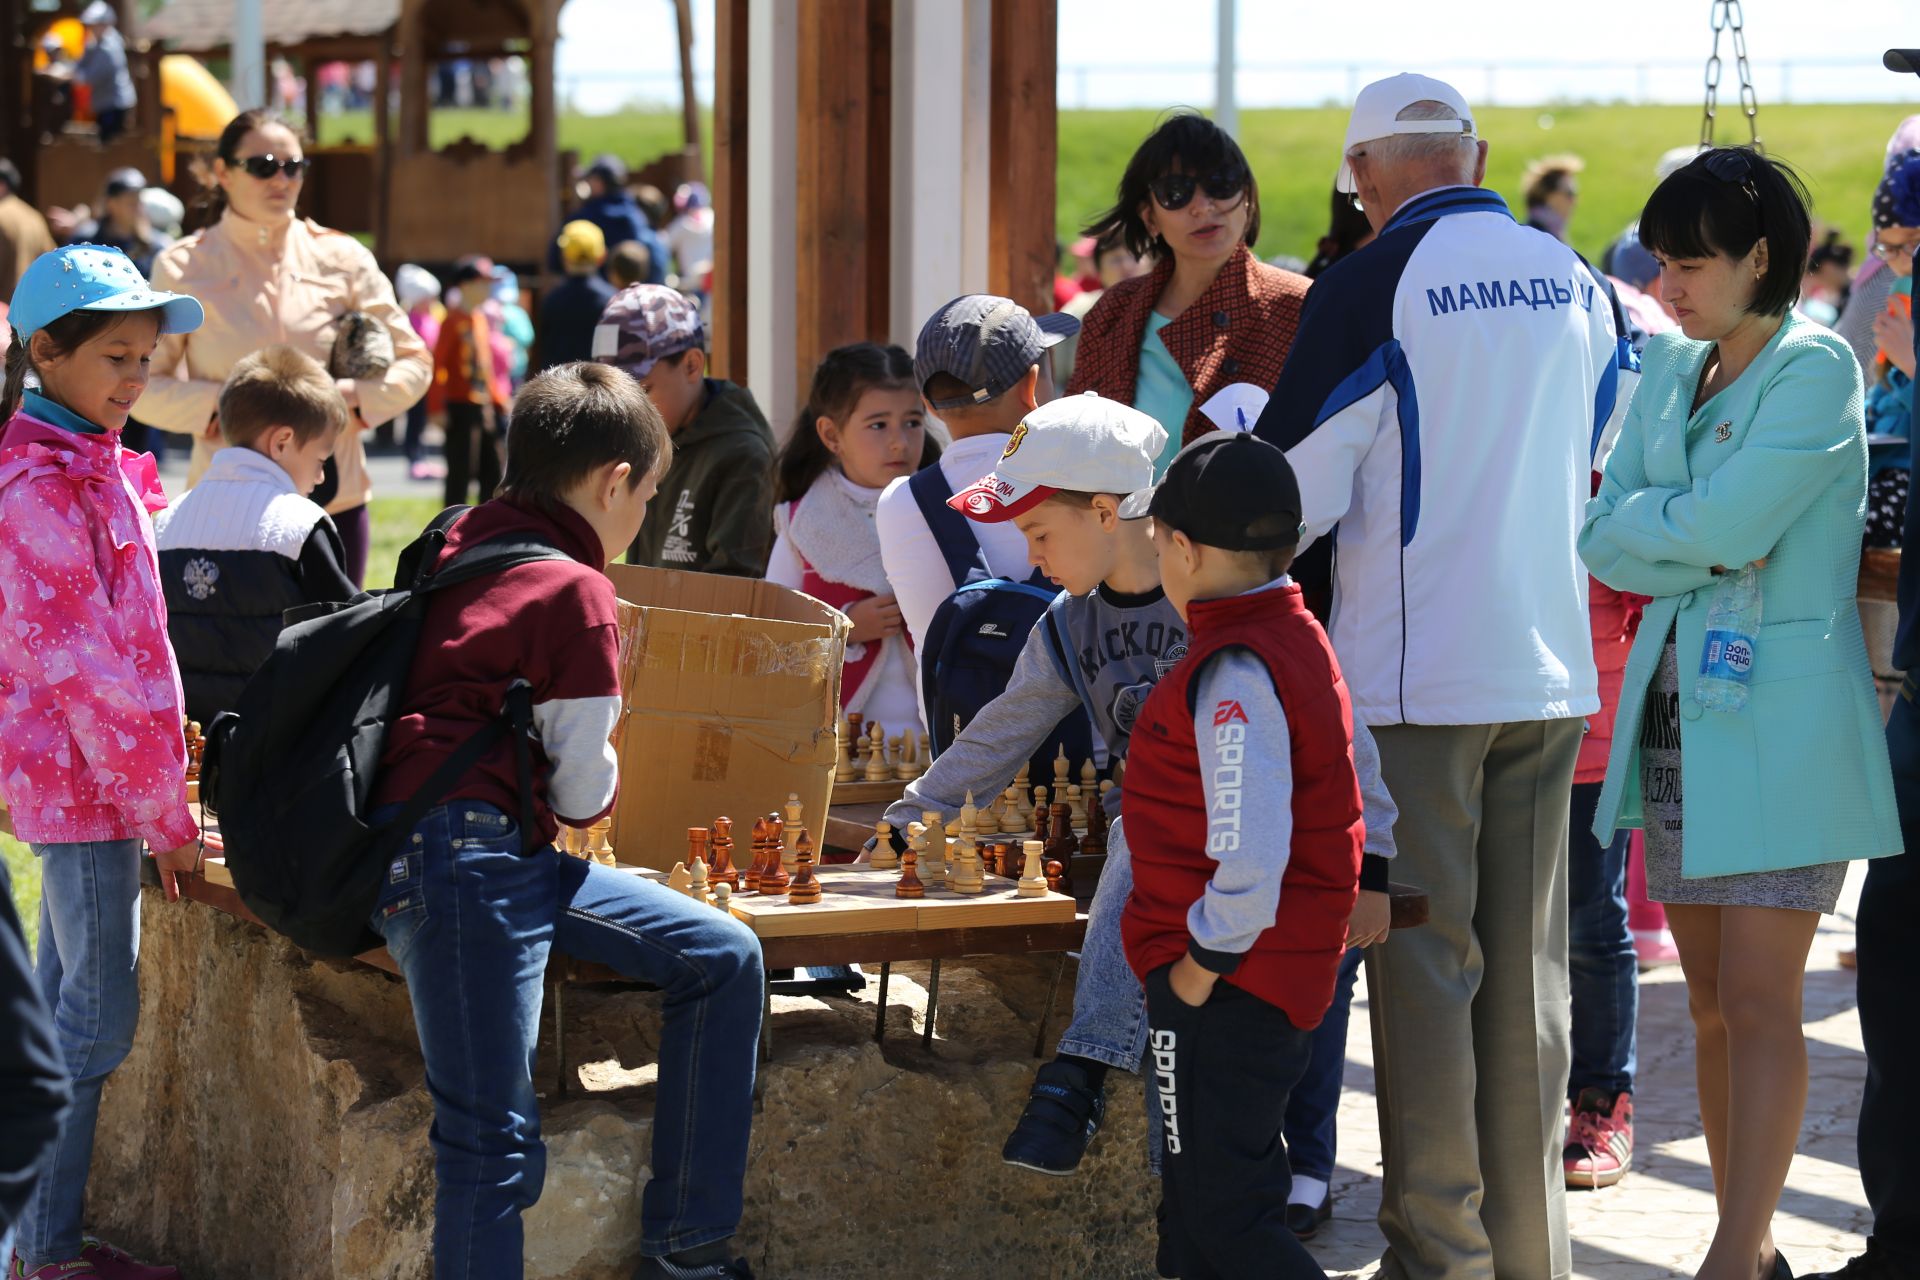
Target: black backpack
{"points": [[976, 635], [290, 770]]}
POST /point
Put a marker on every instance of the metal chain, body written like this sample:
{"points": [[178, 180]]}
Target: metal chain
{"points": [[1726, 15]]}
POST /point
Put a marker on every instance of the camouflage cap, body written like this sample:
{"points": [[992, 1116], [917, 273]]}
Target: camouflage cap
{"points": [[643, 325]]}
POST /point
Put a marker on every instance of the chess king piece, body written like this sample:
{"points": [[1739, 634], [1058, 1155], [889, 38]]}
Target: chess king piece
{"points": [[773, 877], [805, 889], [1060, 770], [878, 770], [1033, 880], [842, 762], [884, 858], [909, 885], [790, 830], [933, 860], [752, 881], [721, 869]]}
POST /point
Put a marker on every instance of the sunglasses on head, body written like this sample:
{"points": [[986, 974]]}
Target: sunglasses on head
{"points": [[1735, 167], [1173, 191], [264, 167]]}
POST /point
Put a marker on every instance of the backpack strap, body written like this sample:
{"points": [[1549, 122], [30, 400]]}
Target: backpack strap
{"points": [[951, 530]]}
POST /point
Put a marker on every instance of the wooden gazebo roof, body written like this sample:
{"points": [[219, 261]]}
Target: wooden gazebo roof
{"points": [[202, 26]]}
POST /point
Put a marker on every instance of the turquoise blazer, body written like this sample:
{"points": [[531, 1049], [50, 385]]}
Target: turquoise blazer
{"points": [[1774, 466]]}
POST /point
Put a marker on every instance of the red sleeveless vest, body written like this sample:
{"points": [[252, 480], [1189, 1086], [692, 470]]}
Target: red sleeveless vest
{"points": [[1294, 962]]}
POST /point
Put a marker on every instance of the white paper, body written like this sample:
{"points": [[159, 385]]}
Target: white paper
{"points": [[1235, 407]]}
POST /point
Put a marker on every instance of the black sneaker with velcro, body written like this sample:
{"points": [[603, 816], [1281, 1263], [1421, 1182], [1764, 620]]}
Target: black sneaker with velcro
{"points": [[1063, 1113]]}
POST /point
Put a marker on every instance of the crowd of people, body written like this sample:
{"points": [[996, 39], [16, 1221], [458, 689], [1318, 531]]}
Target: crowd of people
{"points": [[1549, 484]]}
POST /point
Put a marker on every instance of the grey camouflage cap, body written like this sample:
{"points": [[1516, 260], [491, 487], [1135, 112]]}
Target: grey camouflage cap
{"points": [[643, 325], [987, 342]]}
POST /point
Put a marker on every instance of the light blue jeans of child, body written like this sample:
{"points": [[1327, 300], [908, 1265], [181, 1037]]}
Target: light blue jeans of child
{"points": [[89, 941]]}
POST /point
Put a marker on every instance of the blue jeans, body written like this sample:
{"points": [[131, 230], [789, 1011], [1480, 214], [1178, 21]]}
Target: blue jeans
{"points": [[89, 941], [1313, 1110], [1109, 1008], [470, 921], [1603, 968]]}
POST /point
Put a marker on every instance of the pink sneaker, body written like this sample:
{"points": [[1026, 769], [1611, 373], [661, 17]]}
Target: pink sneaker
{"points": [[428, 469], [72, 1269], [1655, 948], [110, 1263], [1599, 1148]]}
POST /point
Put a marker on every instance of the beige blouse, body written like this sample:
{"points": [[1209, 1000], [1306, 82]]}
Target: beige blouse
{"points": [[262, 285]]}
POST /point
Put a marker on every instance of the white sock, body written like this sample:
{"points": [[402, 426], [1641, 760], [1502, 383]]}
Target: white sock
{"points": [[1311, 1192]]}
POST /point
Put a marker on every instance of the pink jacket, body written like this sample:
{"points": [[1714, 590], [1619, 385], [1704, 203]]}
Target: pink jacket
{"points": [[1615, 616], [90, 702]]}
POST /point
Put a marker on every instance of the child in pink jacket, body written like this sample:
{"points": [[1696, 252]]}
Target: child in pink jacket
{"points": [[91, 758]]}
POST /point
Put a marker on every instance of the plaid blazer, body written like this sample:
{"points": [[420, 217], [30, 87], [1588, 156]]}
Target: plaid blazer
{"points": [[1239, 330]]}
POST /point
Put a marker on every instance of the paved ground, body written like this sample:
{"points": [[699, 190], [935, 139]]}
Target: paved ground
{"points": [[1658, 1222]]}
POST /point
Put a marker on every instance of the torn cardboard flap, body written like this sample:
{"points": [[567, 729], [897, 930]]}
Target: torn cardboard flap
{"points": [[730, 689]]}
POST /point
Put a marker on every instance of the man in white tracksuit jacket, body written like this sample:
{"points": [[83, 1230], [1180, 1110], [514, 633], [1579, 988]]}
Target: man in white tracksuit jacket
{"points": [[1441, 407]]}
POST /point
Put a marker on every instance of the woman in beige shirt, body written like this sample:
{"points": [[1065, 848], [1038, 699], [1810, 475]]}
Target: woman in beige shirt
{"points": [[267, 276]]}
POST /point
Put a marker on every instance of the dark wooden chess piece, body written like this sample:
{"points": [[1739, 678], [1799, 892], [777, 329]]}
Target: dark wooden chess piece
{"points": [[909, 885], [720, 866], [805, 889], [773, 876]]}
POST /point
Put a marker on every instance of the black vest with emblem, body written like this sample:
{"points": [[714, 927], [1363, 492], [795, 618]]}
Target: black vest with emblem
{"points": [[223, 615]]}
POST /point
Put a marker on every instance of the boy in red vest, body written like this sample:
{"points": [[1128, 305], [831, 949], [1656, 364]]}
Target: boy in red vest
{"points": [[1243, 815]]}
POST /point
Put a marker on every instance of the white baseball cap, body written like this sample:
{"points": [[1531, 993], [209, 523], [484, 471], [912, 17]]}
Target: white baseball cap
{"points": [[1084, 443], [1376, 112]]}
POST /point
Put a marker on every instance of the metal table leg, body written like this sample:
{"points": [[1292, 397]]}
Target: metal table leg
{"points": [[880, 1018], [560, 1038], [1046, 1010], [933, 1005]]}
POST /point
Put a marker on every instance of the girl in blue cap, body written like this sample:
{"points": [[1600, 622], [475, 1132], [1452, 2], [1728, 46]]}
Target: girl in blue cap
{"points": [[91, 758]]}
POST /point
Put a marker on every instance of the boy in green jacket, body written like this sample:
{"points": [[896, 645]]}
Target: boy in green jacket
{"points": [[714, 512]]}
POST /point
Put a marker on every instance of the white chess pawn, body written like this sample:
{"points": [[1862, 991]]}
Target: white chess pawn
{"points": [[884, 858]]}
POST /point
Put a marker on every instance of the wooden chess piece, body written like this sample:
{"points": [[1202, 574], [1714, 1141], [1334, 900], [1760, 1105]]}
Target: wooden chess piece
{"points": [[701, 881], [856, 735], [1061, 768], [842, 762], [1023, 788], [773, 876], [933, 861], [1033, 879], [722, 869], [1056, 873], [1077, 806], [1095, 841], [906, 771], [600, 842], [805, 889], [909, 885], [723, 897], [884, 857], [790, 830], [751, 883], [679, 879], [1040, 812], [698, 839], [1064, 844], [1089, 777], [878, 770]]}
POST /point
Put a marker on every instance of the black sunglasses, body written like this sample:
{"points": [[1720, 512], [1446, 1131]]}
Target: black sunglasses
{"points": [[1736, 168], [264, 167], [1173, 191]]}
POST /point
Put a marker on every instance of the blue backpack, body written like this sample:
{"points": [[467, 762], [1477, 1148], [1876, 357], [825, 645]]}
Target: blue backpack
{"points": [[976, 635]]}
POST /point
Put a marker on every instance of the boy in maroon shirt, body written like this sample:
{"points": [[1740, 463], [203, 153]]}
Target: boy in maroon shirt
{"points": [[471, 919], [1243, 816]]}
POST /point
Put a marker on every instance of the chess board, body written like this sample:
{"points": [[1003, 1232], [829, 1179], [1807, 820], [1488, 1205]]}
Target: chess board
{"points": [[861, 900]]}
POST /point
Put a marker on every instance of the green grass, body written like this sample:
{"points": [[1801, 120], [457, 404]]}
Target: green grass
{"points": [[396, 522], [1294, 153]]}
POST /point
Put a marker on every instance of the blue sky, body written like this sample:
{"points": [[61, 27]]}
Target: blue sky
{"points": [[1290, 52]]}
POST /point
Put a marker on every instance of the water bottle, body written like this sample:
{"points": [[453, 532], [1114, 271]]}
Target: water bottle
{"points": [[1733, 629]]}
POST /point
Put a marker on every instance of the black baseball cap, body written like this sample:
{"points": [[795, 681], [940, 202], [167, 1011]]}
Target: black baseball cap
{"points": [[987, 342], [1230, 490]]}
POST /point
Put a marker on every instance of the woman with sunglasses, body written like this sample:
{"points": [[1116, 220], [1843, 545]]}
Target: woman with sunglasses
{"points": [[1744, 449], [268, 276], [1209, 314]]}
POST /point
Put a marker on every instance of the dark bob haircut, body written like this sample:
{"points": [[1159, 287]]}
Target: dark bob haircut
{"points": [[1721, 205], [1186, 142]]}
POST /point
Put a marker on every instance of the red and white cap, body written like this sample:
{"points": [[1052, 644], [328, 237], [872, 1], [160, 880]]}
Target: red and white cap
{"points": [[1083, 443]]}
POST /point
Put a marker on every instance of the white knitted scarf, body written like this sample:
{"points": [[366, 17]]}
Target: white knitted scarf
{"points": [[832, 529]]}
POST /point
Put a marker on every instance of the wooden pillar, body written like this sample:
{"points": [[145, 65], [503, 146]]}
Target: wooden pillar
{"points": [[543, 125], [415, 100], [1021, 259], [312, 69], [841, 142], [730, 189], [689, 100], [382, 138]]}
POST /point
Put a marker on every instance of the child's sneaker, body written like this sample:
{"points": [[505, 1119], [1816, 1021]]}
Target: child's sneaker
{"points": [[1599, 1148], [1654, 949], [1063, 1113], [112, 1263], [71, 1269]]}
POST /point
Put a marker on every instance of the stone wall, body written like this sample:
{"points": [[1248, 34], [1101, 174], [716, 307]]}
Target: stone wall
{"points": [[272, 1121]]}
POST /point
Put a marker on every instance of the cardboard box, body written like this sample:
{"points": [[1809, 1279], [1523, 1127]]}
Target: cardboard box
{"points": [[731, 689]]}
